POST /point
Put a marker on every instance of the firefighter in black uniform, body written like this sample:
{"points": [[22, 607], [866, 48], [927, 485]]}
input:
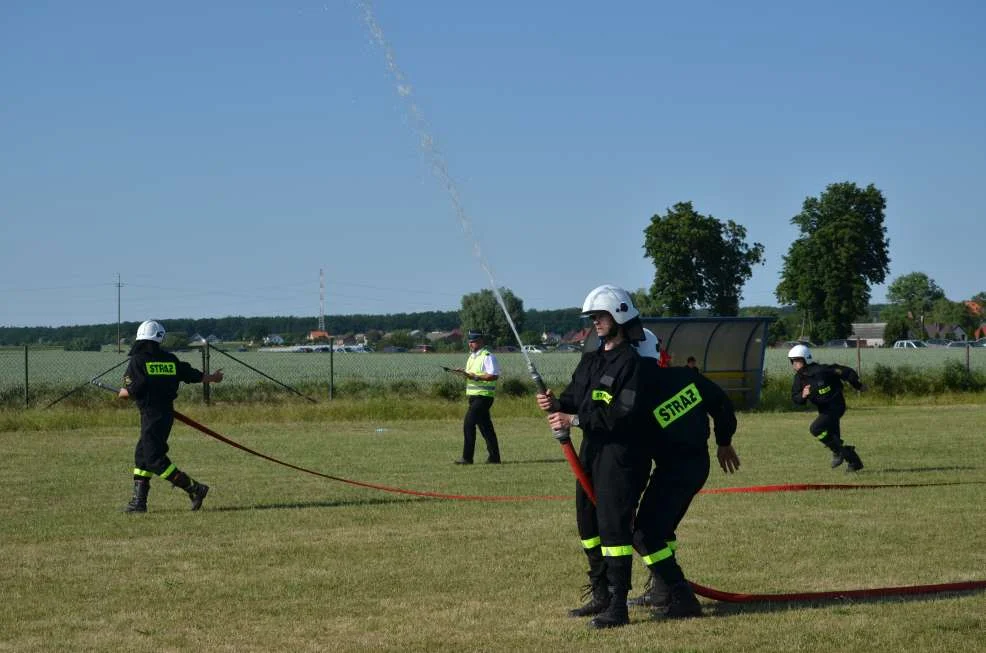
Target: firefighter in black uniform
{"points": [[602, 400], [822, 385], [681, 400], [151, 380]]}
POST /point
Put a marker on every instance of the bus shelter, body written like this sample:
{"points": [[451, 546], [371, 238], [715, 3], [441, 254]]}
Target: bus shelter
{"points": [[728, 350]]}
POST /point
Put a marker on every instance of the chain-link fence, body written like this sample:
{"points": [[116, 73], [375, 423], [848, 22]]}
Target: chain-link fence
{"points": [[40, 377]]}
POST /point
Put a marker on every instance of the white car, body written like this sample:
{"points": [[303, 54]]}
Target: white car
{"points": [[532, 349], [909, 344]]}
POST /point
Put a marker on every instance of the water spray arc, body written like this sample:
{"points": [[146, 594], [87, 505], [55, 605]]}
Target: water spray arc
{"points": [[440, 168]]}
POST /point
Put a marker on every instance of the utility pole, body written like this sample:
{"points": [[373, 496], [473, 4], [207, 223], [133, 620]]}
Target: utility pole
{"points": [[118, 286]]}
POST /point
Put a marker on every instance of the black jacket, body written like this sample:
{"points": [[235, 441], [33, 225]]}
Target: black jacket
{"points": [[153, 376], [603, 393], [680, 401], [826, 385]]}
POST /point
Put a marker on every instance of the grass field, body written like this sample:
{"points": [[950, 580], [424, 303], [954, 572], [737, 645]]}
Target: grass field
{"points": [[280, 560]]}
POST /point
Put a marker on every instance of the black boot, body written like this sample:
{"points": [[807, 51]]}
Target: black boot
{"points": [[598, 600], [196, 491], [683, 603], [656, 594], [618, 571], [837, 458], [616, 614], [854, 463], [597, 591], [197, 494], [139, 501]]}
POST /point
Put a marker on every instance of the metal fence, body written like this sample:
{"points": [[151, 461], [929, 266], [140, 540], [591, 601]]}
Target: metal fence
{"points": [[44, 376], [39, 377]]}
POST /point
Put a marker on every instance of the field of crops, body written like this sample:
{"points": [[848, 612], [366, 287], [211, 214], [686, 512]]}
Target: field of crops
{"points": [[66, 367]]}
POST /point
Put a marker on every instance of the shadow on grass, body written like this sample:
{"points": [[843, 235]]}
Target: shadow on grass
{"points": [[726, 609], [321, 504], [951, 468]]}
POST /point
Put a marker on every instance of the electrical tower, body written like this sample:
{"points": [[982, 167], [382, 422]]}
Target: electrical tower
{"points": [[321, 300]]}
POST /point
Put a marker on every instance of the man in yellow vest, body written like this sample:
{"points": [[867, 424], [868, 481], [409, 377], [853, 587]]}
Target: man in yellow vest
{"points": [[481, 372]]}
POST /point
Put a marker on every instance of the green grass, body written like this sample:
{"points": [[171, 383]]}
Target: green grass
{"points": [[280, 560]]}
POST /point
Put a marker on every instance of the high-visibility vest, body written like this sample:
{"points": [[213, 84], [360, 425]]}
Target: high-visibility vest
{"points": [[475, 366]]}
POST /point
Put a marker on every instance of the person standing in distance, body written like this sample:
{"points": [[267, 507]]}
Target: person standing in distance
{"points": [[151, 380], [681, 400], [602, 400], [822, 385], [481, 372]]}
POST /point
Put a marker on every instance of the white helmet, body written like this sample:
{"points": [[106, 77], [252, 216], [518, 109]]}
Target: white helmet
{"points": [[150, 330], [649, 347], [800, 351], [613, 300]]}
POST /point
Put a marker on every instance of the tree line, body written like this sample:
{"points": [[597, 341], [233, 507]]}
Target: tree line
{"points": [[701, 264]]}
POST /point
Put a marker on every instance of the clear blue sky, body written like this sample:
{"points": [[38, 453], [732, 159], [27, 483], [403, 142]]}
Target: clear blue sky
{"points": [[218, 154]]}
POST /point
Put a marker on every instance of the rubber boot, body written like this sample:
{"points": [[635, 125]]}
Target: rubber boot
{"points": [[683, 603], [196, 491], [837, 458], [596, 593], [618, 573], [656, 594], [197, 494], [853, 461], [139, 501]]}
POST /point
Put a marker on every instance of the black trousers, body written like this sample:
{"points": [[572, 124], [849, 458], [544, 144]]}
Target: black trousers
{"points": [[478, 415], [618, 472], [677, 477], [151, 453], [827, 429]]}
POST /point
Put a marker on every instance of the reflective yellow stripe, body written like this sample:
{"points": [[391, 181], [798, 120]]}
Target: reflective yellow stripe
{"points": [[825, 389], [672, 544], [678, 405], [657, 556], [157, 368], [166, 473], [601, 395], [823, 435], [592, 543], [143, 473], [617, 551]]}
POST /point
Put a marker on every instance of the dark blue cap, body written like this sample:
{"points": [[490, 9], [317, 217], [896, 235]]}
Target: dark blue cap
{"points": [[474, 335]]}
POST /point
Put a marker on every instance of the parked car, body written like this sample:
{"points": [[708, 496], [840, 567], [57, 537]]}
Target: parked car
{"points": [[567, 347], [959, 343], [909, 344], [532, 349], [936, 342], [423, 349]]}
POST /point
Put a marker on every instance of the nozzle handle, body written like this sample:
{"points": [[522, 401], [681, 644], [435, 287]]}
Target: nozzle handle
{"points": [[562, 435]]}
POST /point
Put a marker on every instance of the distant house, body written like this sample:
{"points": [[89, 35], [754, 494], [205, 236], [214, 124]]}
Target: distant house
{"points": [[871, 332], [273, 339], [318, 335], [550, 338], [576, 337], [950, 331], [455, 335]]}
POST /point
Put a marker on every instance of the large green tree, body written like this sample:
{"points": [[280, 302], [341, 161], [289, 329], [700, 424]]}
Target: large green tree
{"points": [[842, 249], [482, 312], [698, 261], [916, 293]]}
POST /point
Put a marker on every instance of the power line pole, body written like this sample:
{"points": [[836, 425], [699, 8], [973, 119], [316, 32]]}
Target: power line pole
{"points": [[118, 286]]}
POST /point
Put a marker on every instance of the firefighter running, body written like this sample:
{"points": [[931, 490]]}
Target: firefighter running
{"points": [[822, 385]]}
